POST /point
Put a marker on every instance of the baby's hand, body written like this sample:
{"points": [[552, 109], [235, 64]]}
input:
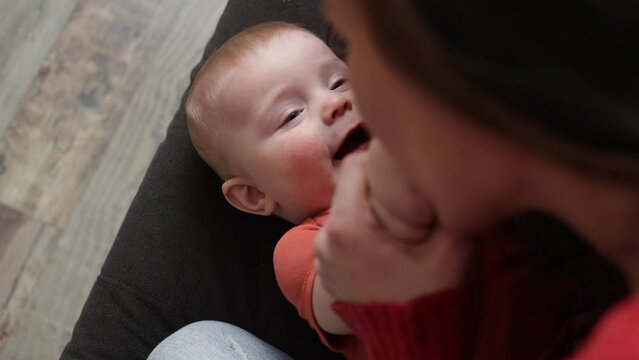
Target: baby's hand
{"points": [[394, 200]]}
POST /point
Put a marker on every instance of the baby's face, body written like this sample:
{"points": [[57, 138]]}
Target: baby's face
{"points": [[296, 120]]}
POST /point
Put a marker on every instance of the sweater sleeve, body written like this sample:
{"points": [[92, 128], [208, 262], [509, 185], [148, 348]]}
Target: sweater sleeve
{"points": [[509, 309], [428, 327]]}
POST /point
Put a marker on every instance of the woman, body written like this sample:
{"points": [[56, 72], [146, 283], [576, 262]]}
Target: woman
{"points": [[496, 110]]}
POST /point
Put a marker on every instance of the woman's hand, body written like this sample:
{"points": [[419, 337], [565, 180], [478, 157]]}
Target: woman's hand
{"points": [[393, 199], [359, 261]]}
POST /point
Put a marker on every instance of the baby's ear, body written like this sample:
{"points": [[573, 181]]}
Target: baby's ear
{"points": [[240, 193]]}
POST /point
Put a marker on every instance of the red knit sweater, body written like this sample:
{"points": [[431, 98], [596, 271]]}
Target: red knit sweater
{"points": [[508, 309], [616, 336]]}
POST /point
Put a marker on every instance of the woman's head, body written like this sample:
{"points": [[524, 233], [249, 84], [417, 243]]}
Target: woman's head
{"points": [[505, 107], [476, 98]]}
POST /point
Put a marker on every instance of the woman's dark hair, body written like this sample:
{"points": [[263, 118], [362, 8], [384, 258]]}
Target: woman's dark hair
{"points": [[558, 76], [335, 42], [593, 284]]}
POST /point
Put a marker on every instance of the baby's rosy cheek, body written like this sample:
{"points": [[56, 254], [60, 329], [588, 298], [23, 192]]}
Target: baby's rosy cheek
{"points": [[301, 164], [306, 162]]}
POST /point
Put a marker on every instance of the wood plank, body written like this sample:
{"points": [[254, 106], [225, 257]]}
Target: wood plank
{"points": [[75, 263], [53, 146], [19, 236], [28, 29], [44, 336], [27, 247]]}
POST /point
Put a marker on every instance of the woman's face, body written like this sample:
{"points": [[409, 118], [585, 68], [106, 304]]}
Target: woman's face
{"points": [[471, 176]]}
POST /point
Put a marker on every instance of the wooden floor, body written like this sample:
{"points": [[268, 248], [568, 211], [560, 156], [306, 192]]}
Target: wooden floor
{"points": [[87, 89]]}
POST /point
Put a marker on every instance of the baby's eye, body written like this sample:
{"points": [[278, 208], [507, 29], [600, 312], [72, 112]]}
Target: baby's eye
{"points": [[338, 83], [291, 116]]}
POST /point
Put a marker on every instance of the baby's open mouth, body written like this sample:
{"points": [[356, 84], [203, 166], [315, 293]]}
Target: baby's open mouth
{"points": [[357, 138]]}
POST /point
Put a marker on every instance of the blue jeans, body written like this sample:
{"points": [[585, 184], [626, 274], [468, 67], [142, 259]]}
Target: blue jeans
{"points": [[214, 340]]}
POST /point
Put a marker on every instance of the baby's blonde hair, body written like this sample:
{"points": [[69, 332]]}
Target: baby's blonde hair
{"points": [[204, 100]]}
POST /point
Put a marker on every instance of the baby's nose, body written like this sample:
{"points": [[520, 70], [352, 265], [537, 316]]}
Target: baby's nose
{"points": [[336, 107]]}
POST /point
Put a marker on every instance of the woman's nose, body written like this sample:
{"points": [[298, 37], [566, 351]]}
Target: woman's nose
{"points": [[336, 106]]}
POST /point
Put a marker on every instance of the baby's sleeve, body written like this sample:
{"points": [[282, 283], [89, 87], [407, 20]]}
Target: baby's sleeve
{"points": [[294, 262], [294, 270]]}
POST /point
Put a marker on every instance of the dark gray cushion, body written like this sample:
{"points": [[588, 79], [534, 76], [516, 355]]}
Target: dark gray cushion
{"points": [[184, 255]]}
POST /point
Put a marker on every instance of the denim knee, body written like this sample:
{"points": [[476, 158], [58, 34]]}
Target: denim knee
{"points": [[214, 340]]}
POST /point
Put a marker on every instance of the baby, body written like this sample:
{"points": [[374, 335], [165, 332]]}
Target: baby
{"points": [[272, 111]]}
